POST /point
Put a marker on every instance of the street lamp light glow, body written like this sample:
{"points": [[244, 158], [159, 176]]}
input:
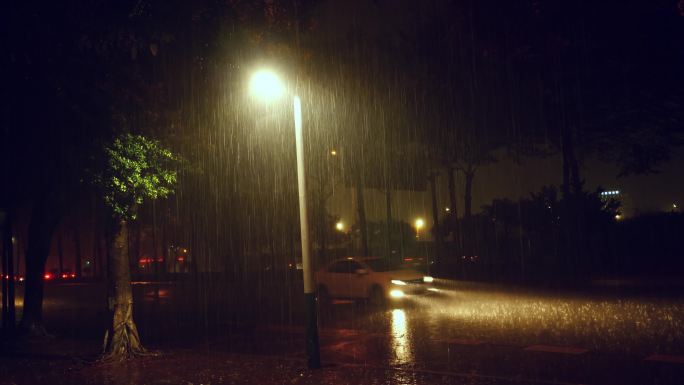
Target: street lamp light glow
{"points": [[339, 226], [420, 223], [266, 85]]}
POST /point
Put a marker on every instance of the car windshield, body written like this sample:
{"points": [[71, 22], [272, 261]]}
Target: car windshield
{"points": [[382, 264]]}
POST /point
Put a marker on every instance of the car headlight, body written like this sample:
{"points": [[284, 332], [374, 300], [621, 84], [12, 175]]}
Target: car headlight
{"points": [[398, 282], [396, 293], [428, 279]]}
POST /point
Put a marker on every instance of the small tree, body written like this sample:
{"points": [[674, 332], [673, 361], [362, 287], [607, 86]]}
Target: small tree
{"points": [[137, 169]]}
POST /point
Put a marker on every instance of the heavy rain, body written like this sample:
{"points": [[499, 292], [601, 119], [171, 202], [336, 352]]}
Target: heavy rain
{"points": [[342, 192]]}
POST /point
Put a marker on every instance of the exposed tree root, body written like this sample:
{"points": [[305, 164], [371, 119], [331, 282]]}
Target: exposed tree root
{"points": [[122, 342]]}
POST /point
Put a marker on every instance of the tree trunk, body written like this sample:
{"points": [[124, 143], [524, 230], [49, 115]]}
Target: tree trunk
{"points": [[78, 259], [122, 340], [44, 220], [456, 234], [97, 253], [436, 231], [579, 257], [388, 201], [323, 226], [60, 255], [361, 208], [155, 259], [566, 150], [8, 304], [138, 244], [323, 252], [194, 248], [571, 188], [98, 235], [468, 241], [164, 245], [468, 197]]}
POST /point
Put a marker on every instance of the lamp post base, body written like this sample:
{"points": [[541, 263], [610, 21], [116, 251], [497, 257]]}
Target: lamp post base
{"points": [[312, 346]]}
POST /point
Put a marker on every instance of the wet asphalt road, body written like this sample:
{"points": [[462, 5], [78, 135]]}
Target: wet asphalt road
{"points": [[487, 332], [512, 335]]}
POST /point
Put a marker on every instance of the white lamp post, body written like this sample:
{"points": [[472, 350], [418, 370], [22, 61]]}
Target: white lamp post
{"points": [[267, 86]]}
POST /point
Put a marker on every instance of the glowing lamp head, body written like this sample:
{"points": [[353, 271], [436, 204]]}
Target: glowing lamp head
{"points": [[266, 85], [339, 226], [420, 223]]}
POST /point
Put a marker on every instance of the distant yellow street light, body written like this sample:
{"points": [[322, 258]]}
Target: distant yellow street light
{"points": [[339, 226], [419, 224]]}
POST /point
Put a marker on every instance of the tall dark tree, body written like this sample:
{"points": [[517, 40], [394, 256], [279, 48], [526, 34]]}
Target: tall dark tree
{"points": [[62, 68], [8, 271], [44, 220]]}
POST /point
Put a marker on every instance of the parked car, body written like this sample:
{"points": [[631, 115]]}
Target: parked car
{"points": [[373, 279]]}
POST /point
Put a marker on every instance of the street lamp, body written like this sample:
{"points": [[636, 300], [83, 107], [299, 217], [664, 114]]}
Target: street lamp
{"points": [[419, 224], [266, 85]]}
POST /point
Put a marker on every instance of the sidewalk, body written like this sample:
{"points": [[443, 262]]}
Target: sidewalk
{"points": [[56, 363]]}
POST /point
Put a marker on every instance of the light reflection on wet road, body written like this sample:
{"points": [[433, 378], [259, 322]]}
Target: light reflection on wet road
{"points": [[504, 316], [401, 341], [500, 331]]}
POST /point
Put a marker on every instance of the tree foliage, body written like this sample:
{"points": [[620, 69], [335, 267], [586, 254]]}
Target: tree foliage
{"points": [[137, 169], [521, 238]]}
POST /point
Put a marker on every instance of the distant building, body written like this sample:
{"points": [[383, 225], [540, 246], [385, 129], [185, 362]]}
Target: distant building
{"points": [[611, 194], [626, 209]]}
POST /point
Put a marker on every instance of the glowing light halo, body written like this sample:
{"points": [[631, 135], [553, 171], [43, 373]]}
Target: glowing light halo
{"points": [[266, 85]]}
